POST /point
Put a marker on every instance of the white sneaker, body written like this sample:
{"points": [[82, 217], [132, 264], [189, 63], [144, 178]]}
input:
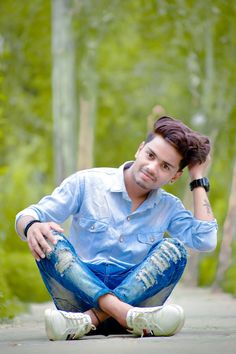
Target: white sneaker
{"points": [[61, 325], [160, 321]]}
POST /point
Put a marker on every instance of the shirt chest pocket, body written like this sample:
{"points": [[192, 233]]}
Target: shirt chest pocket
{"points": [[92, 225], [150, 238]]}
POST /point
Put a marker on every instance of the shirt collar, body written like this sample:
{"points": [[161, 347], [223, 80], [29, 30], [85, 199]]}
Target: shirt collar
{"points": [[153, 197], [118, 185]]}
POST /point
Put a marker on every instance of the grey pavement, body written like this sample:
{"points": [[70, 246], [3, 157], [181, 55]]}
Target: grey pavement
{"points": [[210, 327]]}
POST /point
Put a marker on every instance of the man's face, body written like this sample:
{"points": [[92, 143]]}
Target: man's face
{"points": [[157, 163]]}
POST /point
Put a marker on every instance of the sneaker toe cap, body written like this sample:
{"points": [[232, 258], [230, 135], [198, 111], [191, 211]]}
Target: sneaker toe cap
{"points": [[171, 320]]}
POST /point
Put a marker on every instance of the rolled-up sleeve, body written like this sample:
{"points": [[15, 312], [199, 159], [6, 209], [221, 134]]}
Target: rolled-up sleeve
{"points": [[197, 234], [57, 207]]}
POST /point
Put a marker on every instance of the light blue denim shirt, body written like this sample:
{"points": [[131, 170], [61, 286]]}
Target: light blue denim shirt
{"points": [[104, 230]]}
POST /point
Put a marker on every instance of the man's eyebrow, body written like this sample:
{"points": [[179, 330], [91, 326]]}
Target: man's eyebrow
{"points": [[169, 164]]}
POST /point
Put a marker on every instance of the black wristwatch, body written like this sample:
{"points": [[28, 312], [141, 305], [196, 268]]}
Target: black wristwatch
{"points": [[201, 182]]}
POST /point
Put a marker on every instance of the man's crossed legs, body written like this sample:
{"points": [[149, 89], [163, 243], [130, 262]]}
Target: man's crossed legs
{"points": [[84, 302]]}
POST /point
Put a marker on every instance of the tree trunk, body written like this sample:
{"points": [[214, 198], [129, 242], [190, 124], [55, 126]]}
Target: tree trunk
{"points": [[229, 232], [87, 120], [86, 133], [64, 90]]}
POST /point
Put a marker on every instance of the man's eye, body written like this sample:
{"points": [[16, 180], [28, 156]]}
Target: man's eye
{"points": [[150, 155], [166, 167]]}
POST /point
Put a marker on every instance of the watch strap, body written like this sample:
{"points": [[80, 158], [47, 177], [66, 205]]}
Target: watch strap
{"points": [[28, 226], [201, 182]]}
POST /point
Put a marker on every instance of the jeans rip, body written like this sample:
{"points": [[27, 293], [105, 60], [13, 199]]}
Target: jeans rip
{"points": [[170, 251]]}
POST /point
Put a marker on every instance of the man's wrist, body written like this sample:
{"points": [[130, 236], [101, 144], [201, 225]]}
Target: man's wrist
{"points": [[197, 176], [28, 225], [200, 182]]}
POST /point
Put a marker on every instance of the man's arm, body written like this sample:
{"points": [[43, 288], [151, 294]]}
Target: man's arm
{"points": [[50, 211], [201, 203]]}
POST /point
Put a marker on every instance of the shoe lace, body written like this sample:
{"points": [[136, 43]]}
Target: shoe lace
{"points": [[145, 326], [78, 324]]}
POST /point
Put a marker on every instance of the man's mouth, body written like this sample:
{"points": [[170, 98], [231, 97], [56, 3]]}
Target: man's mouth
{"points": [[148, 175]]}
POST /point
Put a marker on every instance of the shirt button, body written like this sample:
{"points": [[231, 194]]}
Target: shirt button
{"points": [[92, 227], [152, 239], [128, 218], [121, 238]]}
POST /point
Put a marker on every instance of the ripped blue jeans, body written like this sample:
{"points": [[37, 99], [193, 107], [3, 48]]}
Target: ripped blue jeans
{"points": [[76, 287]]}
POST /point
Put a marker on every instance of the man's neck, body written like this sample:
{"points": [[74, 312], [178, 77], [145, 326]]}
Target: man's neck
{"points": [[136, 193]]}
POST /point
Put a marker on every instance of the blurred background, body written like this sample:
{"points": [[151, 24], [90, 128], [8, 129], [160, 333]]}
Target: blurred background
{"points": [[81, 82]]}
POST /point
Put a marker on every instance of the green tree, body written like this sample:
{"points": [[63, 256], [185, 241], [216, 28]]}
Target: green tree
{"points": [[64, 89]]}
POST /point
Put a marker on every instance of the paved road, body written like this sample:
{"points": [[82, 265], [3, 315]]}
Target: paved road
{"points": [[210, 328]]}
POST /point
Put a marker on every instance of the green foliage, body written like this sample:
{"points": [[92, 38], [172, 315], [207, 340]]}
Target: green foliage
{"points": [[26, 169], [9, 304], [25, 113], [147, 53], [20, 283], [229, 283], [23, 184], [207, 270], [24, 279]]}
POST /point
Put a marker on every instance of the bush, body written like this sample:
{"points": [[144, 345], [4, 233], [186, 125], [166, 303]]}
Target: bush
{"points": [[229, 283], [9, 304], [24, 279], [207, 270], [20, 283]]}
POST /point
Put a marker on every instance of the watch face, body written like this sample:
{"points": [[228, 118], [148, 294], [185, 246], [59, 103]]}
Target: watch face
{"points": [[206, 184]]}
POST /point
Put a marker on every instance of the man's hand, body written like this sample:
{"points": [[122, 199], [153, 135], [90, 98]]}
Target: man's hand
{"points": [[199, 170], [37, 237]]}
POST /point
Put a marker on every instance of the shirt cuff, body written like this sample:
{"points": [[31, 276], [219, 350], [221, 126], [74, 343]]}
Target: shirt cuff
{"points": [[25, 212]]}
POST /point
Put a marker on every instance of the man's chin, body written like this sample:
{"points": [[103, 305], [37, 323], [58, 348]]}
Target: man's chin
{"points": [[143, 186]]}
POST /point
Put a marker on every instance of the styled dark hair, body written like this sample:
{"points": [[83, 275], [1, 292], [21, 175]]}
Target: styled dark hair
{"points": [[191, 145]]}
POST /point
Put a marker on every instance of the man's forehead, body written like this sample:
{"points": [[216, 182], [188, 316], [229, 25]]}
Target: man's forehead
{"points": [[164, 150]]}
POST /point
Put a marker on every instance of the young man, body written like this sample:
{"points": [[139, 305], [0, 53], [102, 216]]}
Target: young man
{"points": [[116, 264]]}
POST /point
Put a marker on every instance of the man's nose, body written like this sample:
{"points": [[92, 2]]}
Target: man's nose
{"points": [[153, 167]]}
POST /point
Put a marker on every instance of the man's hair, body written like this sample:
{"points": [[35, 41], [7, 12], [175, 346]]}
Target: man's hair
{"points": [[191, 145]]}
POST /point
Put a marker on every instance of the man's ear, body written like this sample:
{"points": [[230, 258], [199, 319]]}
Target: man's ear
{"points": [[176, 176], [139, 149]]}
